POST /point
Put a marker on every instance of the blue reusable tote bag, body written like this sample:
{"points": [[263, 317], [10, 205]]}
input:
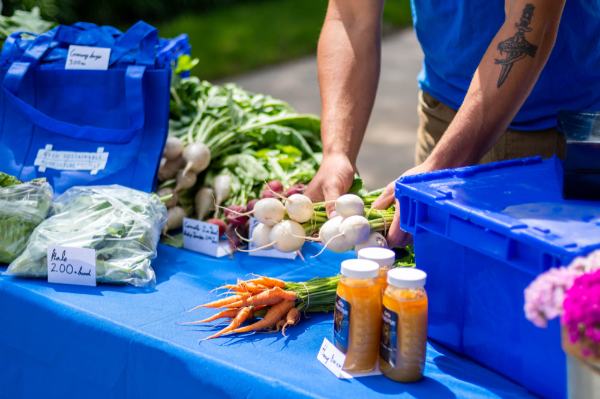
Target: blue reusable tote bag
{"points": [[84, 127]]}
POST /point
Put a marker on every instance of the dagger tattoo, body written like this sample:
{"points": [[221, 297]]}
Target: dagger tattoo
{"points": [[517, 47]]}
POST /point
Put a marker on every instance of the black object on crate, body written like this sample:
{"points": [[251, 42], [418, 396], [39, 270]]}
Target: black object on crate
{"points": [[582, 162]]}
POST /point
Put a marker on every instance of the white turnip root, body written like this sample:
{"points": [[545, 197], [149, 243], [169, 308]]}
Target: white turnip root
{"points": [[341, 235], [185, 180], [222, 187], [204, 202], [349, 205], [175, 217], [269, 211], [299, 208], [261, 235], [168, 169], [173, 148], [197, 156], [329, 235], [375, 239], [356, 229], [287, 236], [171, 202]]}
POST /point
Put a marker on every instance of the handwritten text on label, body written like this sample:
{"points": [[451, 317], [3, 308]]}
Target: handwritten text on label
{"points": [[89, 58], [204, 238], [68, 265]]}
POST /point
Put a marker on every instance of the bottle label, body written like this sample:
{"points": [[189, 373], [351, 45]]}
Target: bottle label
{"points": [[388, 346], [341, 323]]}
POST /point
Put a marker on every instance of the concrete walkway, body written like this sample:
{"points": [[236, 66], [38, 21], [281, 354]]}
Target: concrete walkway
{"points": [[388, 148]]}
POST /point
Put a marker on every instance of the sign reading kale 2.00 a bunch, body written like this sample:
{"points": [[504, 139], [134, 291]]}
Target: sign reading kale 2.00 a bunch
{"points": [[68, 265]]}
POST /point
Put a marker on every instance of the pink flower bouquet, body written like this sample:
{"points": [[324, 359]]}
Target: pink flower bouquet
{"points": [[573, 293], [581, 313]]}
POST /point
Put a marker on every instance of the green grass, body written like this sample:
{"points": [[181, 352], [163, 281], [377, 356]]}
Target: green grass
{"points": [[240, 37]]}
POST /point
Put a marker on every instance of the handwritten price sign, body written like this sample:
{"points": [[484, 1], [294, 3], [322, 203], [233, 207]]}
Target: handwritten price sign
{"points": [[204, 238], [68, 265], [332, 358]]}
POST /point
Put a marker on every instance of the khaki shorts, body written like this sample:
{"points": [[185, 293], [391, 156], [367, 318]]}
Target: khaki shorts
{"points": [[434, 118]]}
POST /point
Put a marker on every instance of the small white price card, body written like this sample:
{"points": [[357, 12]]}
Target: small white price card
{"points": [[89, 58], [267, 253], [204, 238], [68, 265], [332, 358]]}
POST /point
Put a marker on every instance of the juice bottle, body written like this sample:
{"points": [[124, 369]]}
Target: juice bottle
{"points": [[383, 257], [404, 328], [357, 315]]}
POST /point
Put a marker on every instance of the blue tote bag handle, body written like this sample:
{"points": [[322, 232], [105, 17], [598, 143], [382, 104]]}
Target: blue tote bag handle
{"points": [[137, 45], [135, 103]]}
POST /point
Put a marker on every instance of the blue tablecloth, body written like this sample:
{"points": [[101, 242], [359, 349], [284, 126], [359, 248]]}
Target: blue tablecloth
{"points": [[117, 342]]}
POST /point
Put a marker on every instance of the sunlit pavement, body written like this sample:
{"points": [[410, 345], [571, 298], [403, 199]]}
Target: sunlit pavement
{"points": [[388, 148]]}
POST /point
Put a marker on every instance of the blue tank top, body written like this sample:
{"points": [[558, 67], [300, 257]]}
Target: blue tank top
{"points": [[454, 35]]}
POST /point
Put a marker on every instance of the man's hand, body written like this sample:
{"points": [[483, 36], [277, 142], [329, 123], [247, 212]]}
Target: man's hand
{"points": [[396, 237], [334, 178]]}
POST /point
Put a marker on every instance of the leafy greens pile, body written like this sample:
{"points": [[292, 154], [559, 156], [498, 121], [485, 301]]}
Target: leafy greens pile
{"points": [[23, 206], [23, 21], [251, 138], [121, 224]]}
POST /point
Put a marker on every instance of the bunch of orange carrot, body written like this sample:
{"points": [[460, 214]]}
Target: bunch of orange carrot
{"points": [[272, 304]]}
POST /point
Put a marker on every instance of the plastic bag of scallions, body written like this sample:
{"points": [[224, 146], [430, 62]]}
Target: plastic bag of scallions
{"points": [[22, 207], [121, 224]]}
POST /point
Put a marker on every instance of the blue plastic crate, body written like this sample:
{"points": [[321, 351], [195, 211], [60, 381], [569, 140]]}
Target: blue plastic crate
{"points": [[483, 233]]}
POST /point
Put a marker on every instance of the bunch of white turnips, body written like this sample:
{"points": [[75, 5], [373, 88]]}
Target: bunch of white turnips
{"points": [[348, 229]]}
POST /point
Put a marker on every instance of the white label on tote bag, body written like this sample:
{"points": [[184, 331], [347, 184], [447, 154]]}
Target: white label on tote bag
{"points": [[89, 58], [71, 160]]}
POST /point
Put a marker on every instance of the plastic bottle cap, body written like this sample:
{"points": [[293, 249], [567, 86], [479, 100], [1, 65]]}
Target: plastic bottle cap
{"points": [[382, 256], [406, 277], [360, 268]]}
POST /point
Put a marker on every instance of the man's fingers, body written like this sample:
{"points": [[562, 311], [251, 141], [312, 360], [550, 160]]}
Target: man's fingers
{"points": [[331, 193], [385, 199], [314, 191], [396, 236]]}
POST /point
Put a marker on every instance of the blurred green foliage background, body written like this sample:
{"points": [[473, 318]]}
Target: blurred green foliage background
{"points": [[227, 36]]}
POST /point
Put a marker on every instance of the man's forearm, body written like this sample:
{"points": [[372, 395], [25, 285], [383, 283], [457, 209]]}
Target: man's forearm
{"points": [[505, 77], [349, 61]]}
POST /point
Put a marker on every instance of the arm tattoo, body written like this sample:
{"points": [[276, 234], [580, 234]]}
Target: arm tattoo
{"points": [[517, 47]]}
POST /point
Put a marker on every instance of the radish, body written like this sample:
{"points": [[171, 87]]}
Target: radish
{"points": [[222, 187], [376, 239], [220, 223], [349, 205], [175, 217], [299, 208], [330, 236], [185, 180], [197, 156], [297, 188], [234, 215], [266, 193], [173, 148], [269, 211], [204, 201], [261, 235], [275, 185], [250, 205], [287, 236]]}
